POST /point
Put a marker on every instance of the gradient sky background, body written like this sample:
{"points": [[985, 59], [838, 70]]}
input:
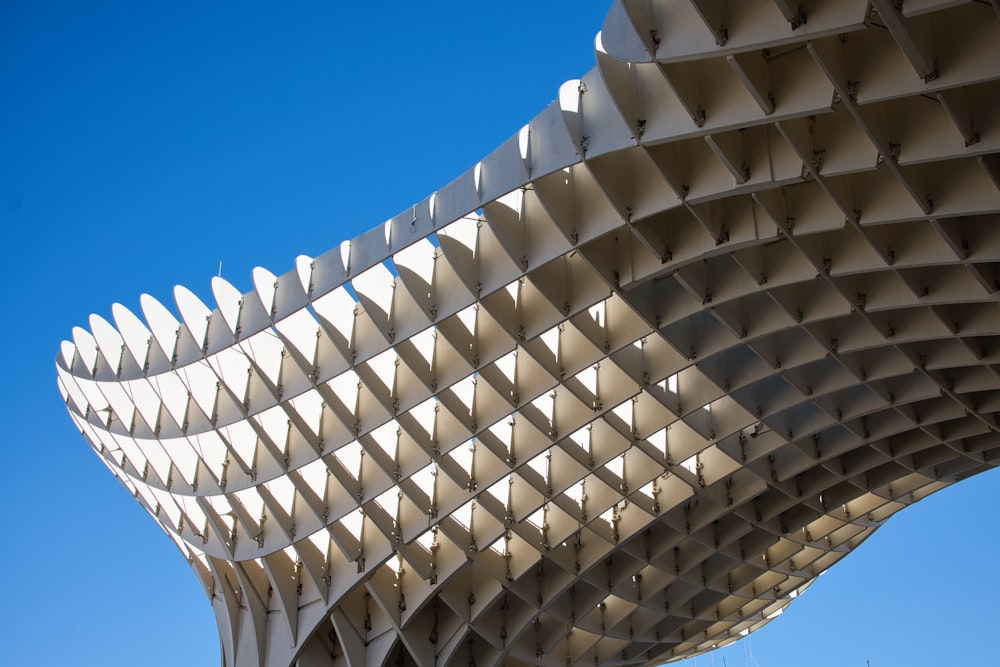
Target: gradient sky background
{"points": [[141, 143]]}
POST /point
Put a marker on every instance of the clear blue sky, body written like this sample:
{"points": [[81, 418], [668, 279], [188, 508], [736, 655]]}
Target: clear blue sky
{"points": [[141, 143]]}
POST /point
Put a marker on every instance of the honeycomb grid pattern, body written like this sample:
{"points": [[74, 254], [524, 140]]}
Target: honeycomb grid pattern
{"points": [[619, 393]]}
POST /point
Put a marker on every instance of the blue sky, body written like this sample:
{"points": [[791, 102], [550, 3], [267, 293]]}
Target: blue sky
{"points": [[141, 144]]}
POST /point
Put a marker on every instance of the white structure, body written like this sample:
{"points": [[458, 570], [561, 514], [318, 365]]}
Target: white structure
{"points": [[621, 391]]}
